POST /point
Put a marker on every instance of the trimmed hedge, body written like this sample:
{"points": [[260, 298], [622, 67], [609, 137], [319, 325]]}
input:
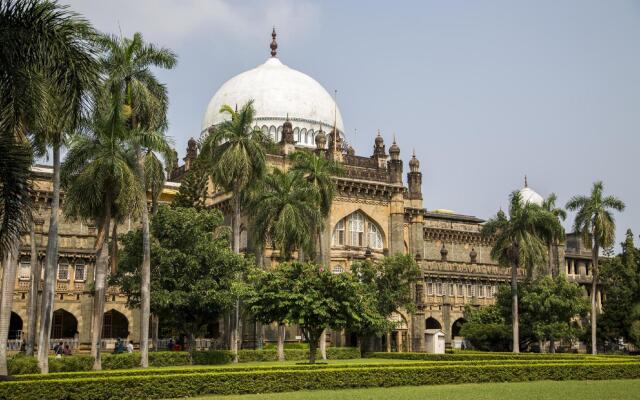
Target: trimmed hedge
{"points": [[494, 356], [288, 367], [29, 365], [185, 385]]}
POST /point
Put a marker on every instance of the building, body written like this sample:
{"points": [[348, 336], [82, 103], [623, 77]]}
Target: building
{"points": [[374, 214]]}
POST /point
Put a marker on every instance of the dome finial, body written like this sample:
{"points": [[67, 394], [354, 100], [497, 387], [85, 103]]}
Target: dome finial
{"points": [[525, 181], [274, 44]]}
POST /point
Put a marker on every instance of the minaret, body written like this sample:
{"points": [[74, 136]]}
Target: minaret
{"points": [[395, 164], [414, 178], [287, 141], [192, 154], [379, 152]]}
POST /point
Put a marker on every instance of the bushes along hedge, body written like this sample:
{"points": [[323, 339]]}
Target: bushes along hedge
{"points": [[183, 385], [492, 356]]}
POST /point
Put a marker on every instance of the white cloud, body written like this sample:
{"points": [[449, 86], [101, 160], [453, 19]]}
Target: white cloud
{"points": [[171, 22]]}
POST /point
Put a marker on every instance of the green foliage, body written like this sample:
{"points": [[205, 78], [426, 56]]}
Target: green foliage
{"points": [[285, 208], [388, 283], [192, 269], [193, 189], [320, 172], [620, 277], [549, 305], [309, 296], [486, 328], [226, 383]]}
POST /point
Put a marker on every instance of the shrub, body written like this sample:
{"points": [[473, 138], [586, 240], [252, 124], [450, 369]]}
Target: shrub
{"points": [[21, 364], [467, 356], [212, 357], [225, 383]]}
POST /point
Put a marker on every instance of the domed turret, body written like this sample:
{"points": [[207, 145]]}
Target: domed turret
{"points": [[351, 151], [414, 163], [394, 150], [321, 140]]}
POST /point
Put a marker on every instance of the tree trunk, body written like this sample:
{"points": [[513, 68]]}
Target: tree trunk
{"points": [[323, 344], [551, 271], [9, 269], [313, 347], [145, 270], [114, 248], [155, 325], [282, 331], [236, 249], [552, 345], [48, 292], [514, 309], [594, 296], [34, 288], [102, 261]]}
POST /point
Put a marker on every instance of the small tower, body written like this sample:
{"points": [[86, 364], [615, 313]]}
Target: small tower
{"points": [[192, 154], [395, 164], [287, 141], [335, 145], [379, 152], [321, 142], [414, 178]]}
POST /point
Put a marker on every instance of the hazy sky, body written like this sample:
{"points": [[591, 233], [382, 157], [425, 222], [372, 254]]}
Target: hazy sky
{"points": [[485, 91]]}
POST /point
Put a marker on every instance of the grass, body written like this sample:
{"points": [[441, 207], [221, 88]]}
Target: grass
{"points": [[542, 390]]}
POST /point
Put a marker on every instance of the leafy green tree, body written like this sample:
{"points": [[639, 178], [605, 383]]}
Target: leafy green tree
{"points": [[234, 155], [621, 292], [520, 240], [193, 270], [388, 281], [549, 204], [486, 328], [144, 102], [98, 176], [193, 189], [320, 172], [47, 69], [549, 307], [309, 296], [594, 220]]}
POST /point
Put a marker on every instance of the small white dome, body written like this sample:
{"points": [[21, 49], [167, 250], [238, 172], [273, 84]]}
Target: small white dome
{"points": [[530, 196], [278, 91]]}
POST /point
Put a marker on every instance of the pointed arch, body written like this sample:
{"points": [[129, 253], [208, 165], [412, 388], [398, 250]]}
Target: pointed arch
{"points": [[115, 325], [358, 229], [16, 326], [432, 323], [65, 325], [457, 326]]}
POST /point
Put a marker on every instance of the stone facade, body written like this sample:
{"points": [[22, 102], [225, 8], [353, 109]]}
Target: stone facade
{"points": [[373, 215]]}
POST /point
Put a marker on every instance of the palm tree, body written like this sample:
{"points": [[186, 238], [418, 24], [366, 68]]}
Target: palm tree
{"points": [[284, 209], [234, 155], [127, 63], [595, 221], [47, 67], [520, 241], [549, 204], [99, 178], [320, 172]]}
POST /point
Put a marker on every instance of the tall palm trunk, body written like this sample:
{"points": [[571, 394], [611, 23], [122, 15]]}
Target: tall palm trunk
{"points": [[9, 269], [323, 344], [34, 288], [102, 261], [48, 292], [514, 308], [114, 248], [594, 296], [235, 326], [145, 270]]}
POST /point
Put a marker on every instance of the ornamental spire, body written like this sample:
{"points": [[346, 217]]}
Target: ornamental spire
{"points": [[274, 44], [525, 181]]}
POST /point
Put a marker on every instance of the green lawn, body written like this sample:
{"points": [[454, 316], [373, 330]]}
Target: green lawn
{"points": [[543, 390]]}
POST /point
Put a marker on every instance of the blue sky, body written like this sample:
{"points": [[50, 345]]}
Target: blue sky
{"points": [[485, 91]]}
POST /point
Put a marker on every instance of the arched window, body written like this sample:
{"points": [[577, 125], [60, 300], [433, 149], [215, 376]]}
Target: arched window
{"points": [[338, 234], [375, 238], [337, 269], [362, 232], [63, 271], [24, 273], [356, 229], [80, 272]]}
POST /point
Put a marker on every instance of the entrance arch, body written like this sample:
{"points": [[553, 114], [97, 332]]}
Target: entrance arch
{"points": [[15, 327], [115, 325], [432, 323], [457, 326], [65, 325]]}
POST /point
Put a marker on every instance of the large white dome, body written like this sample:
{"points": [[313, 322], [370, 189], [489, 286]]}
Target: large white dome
{"points": [[529, 195], [278, 91]]}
